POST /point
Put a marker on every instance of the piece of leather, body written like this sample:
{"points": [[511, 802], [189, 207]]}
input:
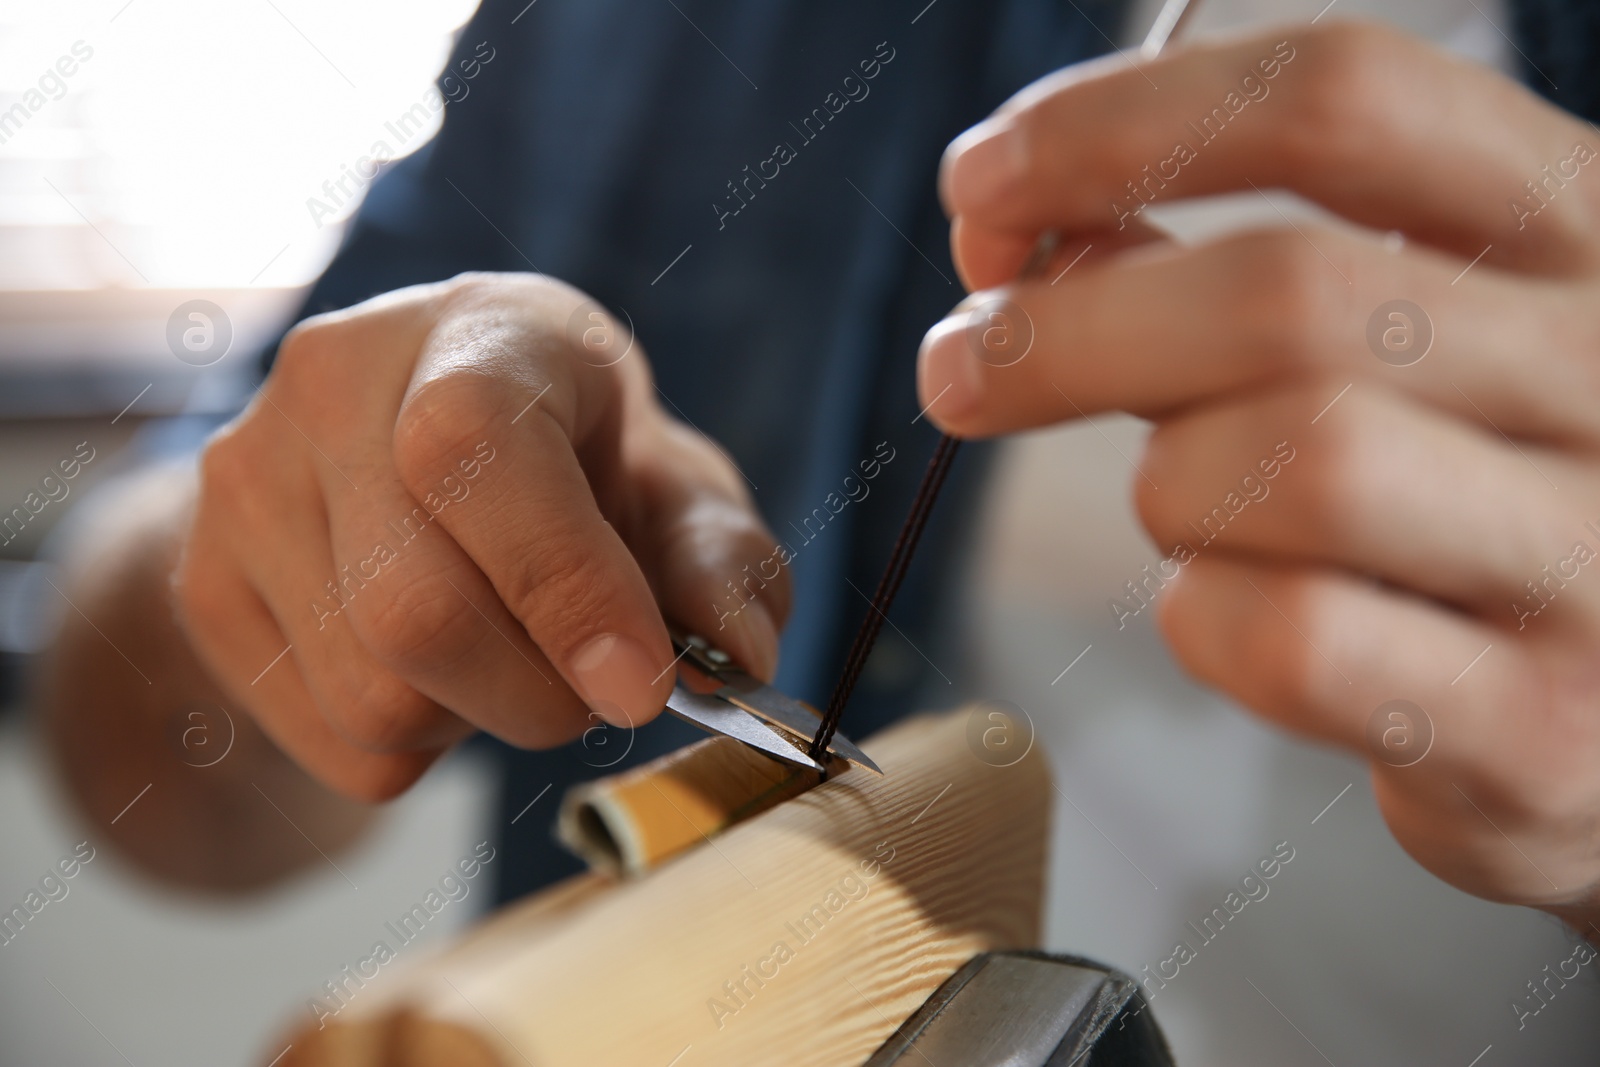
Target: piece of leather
{"points": [[630, 823]]}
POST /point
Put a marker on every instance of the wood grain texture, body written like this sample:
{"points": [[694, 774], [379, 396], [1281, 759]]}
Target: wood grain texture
{"points": [[803, 936]]}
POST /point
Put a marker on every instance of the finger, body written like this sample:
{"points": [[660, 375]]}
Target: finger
{"points": [[396, 592], [1349, 115], [1162, 327], [1377, 484], [243, 649], [1457, 720], [715, 566], [1317, 651], [429, 615], [987, 257], [296, 579], [533, 525], [1484, 836]]}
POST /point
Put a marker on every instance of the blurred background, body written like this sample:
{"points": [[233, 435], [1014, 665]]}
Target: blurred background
{"points": [[179, 162]]}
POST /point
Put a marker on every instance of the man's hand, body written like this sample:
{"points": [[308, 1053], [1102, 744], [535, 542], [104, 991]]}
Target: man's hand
{"points": [[458, 507], [1435, 537]]}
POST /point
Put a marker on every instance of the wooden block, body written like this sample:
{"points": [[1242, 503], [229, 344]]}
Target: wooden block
{"points": [[802, 936]]}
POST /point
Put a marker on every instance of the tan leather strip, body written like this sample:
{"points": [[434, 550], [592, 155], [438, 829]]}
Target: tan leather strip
{"points": [[630, 823]]}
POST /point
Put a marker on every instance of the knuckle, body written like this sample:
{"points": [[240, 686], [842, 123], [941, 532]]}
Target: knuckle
{"points": [[1542, 801], [229, 485], [1249, 651], [1184, 619], [476, 290], [223, 464], [1517, 800], [1293, 675], [475, 282], [1330, 485], [444, 421], [1031, 127], [1158, 513], [1162, 464], [1040, 113], [309, 345], [243, 481], [1345, 93], [325, 359], [1539, 774], [417, 626], [1286, 299]]}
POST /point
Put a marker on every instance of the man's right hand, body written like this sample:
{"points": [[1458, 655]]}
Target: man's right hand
{"points": [[458, 507]]}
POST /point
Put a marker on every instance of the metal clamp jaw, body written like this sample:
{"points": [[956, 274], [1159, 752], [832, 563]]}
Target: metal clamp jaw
{"points": [[1029, 1009]]}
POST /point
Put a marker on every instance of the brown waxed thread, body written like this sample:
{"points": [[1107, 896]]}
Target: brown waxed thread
{"points": [[894, 573], [905, 544], [1168, 25]]}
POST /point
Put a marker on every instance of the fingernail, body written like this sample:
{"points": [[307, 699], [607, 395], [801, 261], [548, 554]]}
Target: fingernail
{"points": [[614, 675], [983, 165], [948, 377]]}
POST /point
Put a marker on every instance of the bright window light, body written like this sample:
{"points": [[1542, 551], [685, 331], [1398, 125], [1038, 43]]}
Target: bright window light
{"points": [[177, 144]]}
